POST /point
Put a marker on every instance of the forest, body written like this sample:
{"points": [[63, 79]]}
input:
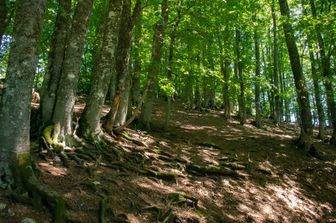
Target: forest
{"points": [[168, 111]]}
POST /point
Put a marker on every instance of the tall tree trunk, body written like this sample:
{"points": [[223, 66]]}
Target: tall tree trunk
{"points": [[154, 70], [66, 92], [327, 75], [305, 140], [240, 76], [225, 70], [122, 64], [55, 61], [257, 75], [170, 62], [276, 112], [89, 122], [137, 61], [16, 98], [317, 92], [3, 18]]}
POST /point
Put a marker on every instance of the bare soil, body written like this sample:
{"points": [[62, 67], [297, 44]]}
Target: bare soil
{"points": [[264, 177]]}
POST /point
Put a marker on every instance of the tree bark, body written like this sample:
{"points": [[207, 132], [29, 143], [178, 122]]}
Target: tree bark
{"points": [[305, 140], [240, 76], [122, 64], [137, 61], [55, 62], [257, 75], [327, 75], [66, 92], [89, 122], [3, 17], [16, 98], [154, 70], [276, 111]]}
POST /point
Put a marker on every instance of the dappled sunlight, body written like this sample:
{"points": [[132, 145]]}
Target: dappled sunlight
{"points": [[53, 170], [194, 127], [283, 202], [209, 156]]}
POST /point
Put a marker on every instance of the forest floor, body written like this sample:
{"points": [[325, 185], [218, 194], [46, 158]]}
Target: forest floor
{"points": [[201, 169]]}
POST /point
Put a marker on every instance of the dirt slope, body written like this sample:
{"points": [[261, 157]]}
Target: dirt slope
{"points": [[200, 169]]}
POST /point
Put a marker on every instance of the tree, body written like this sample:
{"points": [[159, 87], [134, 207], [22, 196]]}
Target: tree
{"points": [[66, 91], [305, 140], [55, 62], [276, 113], [257, 75], [15, 106], [154, 70], [6, 14], [120, 100], [89, 122], [326, 72]]}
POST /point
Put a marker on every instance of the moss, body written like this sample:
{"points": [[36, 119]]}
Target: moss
{"points": [[47, 134], [38, 191]]}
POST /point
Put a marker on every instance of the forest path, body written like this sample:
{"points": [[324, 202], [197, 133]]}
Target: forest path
{"points": [[201, 169]]}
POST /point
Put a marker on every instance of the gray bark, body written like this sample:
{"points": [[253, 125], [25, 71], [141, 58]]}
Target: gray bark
{"points": [[15, 102], [55, 61], [66, 93], [90, 119], [305, 140], [122, 62]]}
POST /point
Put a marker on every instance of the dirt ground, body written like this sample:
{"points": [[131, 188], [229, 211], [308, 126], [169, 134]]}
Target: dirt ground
{"points": [[201, 169]]}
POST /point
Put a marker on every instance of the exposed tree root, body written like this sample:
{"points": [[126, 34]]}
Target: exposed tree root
{"points": [[39, 192], [160, 175], [183, 199], [211, 170]]}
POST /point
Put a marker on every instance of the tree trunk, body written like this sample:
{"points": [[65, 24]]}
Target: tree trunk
{"points": [[89, 122], [327, 75], [317, 92], [137, 62], [67, 88], [240, 76], [305, 140], [122, 63], [276, 112], [257, 75], [3, 17], [55, 62], [154, 70], [15, 107], [16, 98]]}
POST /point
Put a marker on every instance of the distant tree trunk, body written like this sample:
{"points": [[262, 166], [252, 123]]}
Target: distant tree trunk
{"points": [[137, 61], [276, 112], [327, 75], [305, 140], [154, 70], [3, 18], [67, 88], [89, 122], [240, 76], [317, 93], [122, 65], [170, 61], [16, 98], [257, 75], [55, 62]]}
